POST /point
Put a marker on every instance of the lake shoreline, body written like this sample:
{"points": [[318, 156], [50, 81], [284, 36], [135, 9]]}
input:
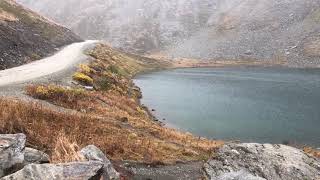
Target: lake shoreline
{"points": [[155, 118]]}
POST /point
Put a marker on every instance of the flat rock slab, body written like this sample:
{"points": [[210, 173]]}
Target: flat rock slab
{"points": [[11, 152], [251, 161], [34, 156], [179, 171], [77, 171]]}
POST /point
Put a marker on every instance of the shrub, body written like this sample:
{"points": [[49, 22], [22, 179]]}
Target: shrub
{"points": [[114, 69], [35, 56], [67, 97], [85, 69], [103, 83], [53, 91], [82, 78]]}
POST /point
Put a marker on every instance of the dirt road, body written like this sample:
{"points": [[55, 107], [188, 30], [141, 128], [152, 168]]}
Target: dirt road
{"points": [[62, 60]]}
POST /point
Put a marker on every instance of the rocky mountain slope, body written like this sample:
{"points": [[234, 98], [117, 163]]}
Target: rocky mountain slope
{"points": [[278, 30], [26, 36]]}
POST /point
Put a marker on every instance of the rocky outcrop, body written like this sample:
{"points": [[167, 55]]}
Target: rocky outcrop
{"points": [[261, 162], [35, 156], [20, 162], [75, 170], [92, 153], [11, 152]]}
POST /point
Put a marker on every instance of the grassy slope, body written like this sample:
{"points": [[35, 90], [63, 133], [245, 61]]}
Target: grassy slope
{"points": [[110, 117], [26, 36]]}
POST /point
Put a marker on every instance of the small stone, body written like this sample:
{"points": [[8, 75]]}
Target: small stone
{"points": [[235, 151], [75, 83], [248, 52], [92, 153], [89, 88], [124, 119]]}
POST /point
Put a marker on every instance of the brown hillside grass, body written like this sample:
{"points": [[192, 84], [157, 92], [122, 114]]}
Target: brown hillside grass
{"points": [[312, 152], [147, 142], [110, 116]]}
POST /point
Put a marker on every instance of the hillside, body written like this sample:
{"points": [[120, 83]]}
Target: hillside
{"points": [[65, 117], [26, 36], [275, 30], [99, 104]]}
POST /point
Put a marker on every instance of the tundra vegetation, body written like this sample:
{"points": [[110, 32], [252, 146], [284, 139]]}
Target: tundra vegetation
{"points": [[109, 116]]}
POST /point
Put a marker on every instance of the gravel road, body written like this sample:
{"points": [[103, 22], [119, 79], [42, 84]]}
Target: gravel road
{"points": [[68, 57]]}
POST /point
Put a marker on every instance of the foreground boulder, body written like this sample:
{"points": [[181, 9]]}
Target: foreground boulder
{"points": [[77, 170], [34, 156], [92, 153], [262, 162], [11, 152]]}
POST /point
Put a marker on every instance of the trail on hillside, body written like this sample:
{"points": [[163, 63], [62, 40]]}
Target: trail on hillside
{"points": [[67, 57]]}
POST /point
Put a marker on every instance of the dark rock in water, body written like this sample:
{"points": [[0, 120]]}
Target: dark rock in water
{"points": [[76, 170], [11, 152], [34, 156], [92, 153], [153, 110], [261, 162]]}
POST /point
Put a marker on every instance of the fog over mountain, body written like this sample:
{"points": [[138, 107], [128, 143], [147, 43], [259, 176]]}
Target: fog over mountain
{"points": [[286, 30], [25, 36]]}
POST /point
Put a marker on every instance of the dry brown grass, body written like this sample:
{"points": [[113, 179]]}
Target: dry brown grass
{"points": [[67, 97], [66, 150], [139, 140], [110, 117], [312, 152]]}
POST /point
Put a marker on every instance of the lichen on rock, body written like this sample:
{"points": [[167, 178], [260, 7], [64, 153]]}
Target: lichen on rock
{"points": [[261, 161]]}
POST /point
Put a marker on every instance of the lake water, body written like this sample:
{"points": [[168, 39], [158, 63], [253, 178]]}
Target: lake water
{"points": [[266, 105]]}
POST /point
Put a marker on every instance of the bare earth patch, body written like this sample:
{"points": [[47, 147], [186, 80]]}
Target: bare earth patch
{"points": [[312, 47], [6, 16]]}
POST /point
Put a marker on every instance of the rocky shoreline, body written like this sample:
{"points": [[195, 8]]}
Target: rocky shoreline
{"points": [[247, 161]]}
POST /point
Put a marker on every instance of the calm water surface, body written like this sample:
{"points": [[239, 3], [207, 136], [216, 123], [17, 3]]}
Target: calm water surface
{"points": [[249, 104]]}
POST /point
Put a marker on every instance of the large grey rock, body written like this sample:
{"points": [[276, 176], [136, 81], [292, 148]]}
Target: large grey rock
{"points": [[34, 156], [262, 162], [92, 153], [76, 171], [11, 152]]}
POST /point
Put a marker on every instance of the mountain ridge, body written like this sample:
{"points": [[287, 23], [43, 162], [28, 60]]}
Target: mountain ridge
{"points": [[284, 30], [27, 36]]}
